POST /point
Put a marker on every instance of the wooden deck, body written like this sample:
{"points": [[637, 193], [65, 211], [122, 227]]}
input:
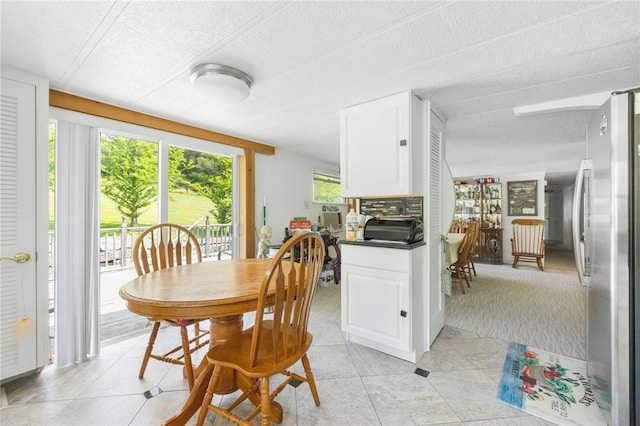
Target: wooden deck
{"points": [[120, 323]]}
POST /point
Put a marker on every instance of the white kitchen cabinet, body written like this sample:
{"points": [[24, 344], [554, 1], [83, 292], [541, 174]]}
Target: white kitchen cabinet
{"points": [[382, 305], [381, 147]]}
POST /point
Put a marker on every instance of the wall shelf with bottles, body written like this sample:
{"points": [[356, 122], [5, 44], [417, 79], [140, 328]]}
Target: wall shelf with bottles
{"points": [[468, 204], [492, 205], [480, 199]]}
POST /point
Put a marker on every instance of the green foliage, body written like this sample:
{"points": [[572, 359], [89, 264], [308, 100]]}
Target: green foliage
{"points": [[210, 176], [129, 180], [188, 207], [199, 183], [184, 209], [129, 174], [177, 162], [52, 156]]}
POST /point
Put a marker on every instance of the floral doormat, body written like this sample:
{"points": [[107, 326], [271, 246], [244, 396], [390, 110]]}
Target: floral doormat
{"points": [[552, 387]]}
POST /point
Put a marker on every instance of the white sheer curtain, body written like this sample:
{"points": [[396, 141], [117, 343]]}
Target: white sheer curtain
{"points": [[77, 270]]}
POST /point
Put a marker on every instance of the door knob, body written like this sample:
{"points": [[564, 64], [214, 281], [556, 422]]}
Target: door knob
{"points": [[18, 258]]}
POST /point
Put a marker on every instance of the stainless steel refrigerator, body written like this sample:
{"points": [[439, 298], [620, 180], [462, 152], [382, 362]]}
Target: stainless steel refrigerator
{"points": [[606, 235]]}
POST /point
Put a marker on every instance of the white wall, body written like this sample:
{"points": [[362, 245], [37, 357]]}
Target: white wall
{"points": [[285, 182], [507, 234], [554, 216], [567, 219]]}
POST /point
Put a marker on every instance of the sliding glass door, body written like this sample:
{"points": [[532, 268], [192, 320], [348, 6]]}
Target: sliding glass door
{"points": [[146, 178], [147, 182]]}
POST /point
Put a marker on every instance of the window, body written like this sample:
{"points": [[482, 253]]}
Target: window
{"points": [[151, 176], [326, 188], [129, 181], [199, 187]]}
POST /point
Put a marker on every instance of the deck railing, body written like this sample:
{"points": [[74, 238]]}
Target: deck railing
{"points": [[215, 241]]}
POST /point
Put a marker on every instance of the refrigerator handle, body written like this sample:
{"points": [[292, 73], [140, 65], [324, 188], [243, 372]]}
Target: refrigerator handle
{"points": [[578, 248]]}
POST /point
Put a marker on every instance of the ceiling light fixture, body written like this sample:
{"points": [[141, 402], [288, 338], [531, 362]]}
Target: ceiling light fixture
{"points": [[223, 83]]}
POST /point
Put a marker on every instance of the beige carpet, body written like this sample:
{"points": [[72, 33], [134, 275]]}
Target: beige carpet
{"points": [[545, 310]]}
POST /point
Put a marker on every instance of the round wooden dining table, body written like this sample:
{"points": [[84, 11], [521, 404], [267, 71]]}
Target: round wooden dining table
{"points": [[219, 290]]}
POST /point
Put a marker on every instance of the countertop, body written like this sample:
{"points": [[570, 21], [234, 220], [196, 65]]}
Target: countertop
{"points": [[373, 243]]}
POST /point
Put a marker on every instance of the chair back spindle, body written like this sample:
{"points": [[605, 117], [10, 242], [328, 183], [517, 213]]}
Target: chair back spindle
{"points": [[165, 246]]}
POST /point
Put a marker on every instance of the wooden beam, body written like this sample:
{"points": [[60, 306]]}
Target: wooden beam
{"points": [[247, 235], [88, 106]]}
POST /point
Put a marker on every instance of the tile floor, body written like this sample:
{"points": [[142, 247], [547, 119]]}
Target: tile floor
{"points": [[357, 385]]}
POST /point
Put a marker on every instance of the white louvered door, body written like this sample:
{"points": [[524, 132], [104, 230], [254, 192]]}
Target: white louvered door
{"points": [[18, 317], [436, 297]]}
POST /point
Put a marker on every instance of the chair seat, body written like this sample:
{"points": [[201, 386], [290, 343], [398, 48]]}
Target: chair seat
{"points": [[523, 254], [182, 322], [235, 354]]}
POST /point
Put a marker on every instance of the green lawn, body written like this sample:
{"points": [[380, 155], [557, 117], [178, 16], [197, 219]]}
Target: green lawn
{"points": [[184, 209]]}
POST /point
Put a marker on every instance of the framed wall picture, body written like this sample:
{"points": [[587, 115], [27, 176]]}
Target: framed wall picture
{"points": [[523, 198]]}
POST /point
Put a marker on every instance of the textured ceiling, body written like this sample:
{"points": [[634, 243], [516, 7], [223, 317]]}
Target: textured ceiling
{"points": [[475, 60]]}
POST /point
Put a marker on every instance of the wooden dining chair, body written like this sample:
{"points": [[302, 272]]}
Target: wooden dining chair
{"points": [[272, 346], [165, 246], [456, 227], [528, 244], [471, 266], [460, 268]]}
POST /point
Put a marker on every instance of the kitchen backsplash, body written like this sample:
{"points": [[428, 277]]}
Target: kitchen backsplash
{"points": [[379, 207]]}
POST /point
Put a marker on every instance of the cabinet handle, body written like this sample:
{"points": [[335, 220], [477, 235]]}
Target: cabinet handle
{"points": [[403, 314], [403, 142]]}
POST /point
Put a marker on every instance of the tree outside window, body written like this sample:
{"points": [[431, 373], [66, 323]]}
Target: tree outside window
{"points": [[208, 175], [129, 172], [199, 183]]}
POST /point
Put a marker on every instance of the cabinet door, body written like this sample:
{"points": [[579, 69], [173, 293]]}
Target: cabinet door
{"points": [[375, 305], [491, 245], [18, 282], [375, 144]]}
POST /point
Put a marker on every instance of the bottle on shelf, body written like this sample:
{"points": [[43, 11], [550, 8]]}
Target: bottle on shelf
{"points": [[352, 225]]}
